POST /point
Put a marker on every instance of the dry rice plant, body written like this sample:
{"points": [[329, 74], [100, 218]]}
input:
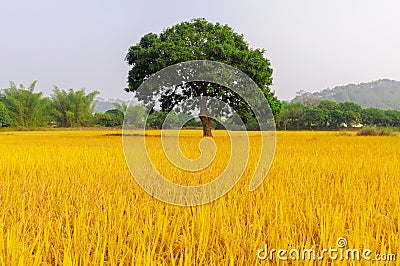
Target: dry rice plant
{"points": [[68, 198]]}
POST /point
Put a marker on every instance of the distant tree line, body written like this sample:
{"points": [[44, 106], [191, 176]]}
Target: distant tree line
{"points": [[22, 107], [325, 114]]}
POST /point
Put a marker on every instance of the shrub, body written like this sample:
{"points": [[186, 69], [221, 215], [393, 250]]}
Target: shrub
{"points": [[117, 116], [111, 118], [375, 131]]}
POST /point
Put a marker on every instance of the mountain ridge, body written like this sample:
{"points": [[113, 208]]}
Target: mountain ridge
{"points": [[383, 94], [102, 105]]}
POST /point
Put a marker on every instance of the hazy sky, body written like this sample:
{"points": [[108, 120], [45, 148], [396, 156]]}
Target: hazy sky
{"points": [[312, 45]]}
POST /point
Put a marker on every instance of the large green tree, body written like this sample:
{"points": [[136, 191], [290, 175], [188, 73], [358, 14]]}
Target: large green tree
{"points": [[351, 113], [314, 116], [199, 39], [73, 108], [26, 107], [393, 118], [373, 117], [334, 116]]}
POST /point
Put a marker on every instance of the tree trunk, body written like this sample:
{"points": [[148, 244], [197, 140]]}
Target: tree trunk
{"points": [[204, 117], [206, 126]]}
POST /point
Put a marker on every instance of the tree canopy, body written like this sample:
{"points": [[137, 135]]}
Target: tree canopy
{"points": [[73, 108], [199, 39], [22, 107], [26, 108]]}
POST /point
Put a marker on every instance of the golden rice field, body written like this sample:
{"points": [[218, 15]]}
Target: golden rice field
{"points": [[68, 198]]}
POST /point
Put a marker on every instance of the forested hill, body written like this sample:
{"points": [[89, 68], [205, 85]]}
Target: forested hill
{"points": [[383, 94]]}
